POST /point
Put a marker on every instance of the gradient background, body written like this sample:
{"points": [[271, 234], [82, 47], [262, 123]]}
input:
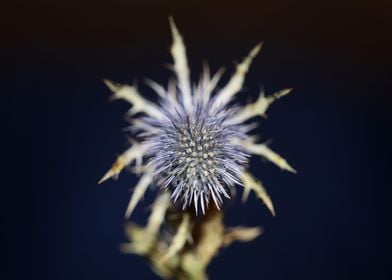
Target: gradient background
{"points": [[60, 133]]}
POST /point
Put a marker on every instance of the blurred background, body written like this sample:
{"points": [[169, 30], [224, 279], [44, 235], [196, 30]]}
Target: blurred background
{"points": [[61, 134]]}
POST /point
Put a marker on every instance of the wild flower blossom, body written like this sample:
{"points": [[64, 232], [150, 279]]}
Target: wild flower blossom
{"points": [[195, 142]]}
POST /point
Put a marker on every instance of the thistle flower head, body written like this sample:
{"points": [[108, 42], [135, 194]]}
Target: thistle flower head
{"points": [[193, 153], [193, 142]]}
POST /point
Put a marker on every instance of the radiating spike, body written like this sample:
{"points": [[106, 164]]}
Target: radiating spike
{"points": [[181, 65], [214, 198], [132, 96], [195, 200], [160, 90], [137, 152], [202, 202], [264, 151], [259, 108], [252, 183], [212, 84], [236, 81], [138, 193]]}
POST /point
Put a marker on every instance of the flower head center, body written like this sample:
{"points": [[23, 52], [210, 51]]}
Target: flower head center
{"points": [[197, 154]]}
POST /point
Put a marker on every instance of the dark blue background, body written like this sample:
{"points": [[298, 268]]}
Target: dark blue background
{"points": [[60, 133]]}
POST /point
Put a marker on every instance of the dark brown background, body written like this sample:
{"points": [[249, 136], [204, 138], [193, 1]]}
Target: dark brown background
{"points": [[60, 135]]}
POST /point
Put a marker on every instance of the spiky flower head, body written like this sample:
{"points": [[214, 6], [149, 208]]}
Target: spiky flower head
{"points": [[194, 140], [193, 153]]}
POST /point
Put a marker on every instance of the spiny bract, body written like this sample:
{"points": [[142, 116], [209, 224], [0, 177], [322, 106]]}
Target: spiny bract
{"points": [[195, 143]]}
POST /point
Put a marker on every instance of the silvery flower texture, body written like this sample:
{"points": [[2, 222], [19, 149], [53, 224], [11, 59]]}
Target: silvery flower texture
{"points": [[194, 142]]}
